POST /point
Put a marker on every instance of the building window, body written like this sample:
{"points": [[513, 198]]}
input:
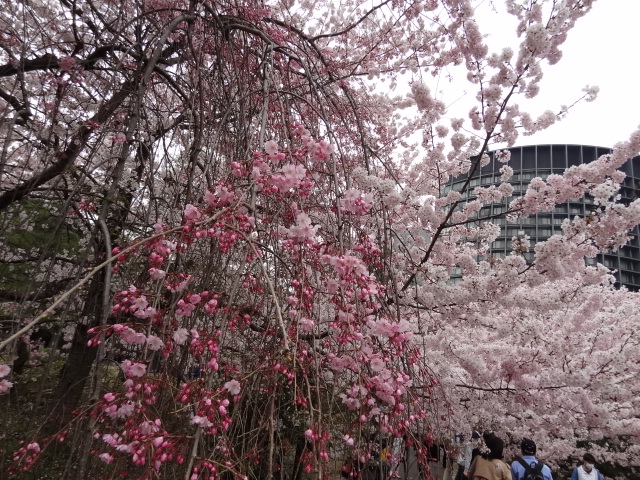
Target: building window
{"points": [[515, 161], [528, 158], [635, 163], [574, 155], [610, 261], [559, 157], [576, 209], [588, 154], [560, 208], [603, 151], [544, 156], [627, 264]]}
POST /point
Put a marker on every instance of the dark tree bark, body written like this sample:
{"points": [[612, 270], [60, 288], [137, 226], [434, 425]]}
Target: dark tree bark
{"points": [[77, 369]]}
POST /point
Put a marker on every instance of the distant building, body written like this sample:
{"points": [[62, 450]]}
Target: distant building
{"points": [[533, 161]]}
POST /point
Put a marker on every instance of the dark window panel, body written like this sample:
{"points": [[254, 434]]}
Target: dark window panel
{"points": [[544, 156], [528, 158], [562, 208], [516, 160], [576, 209], [602, 151], [559, 157], [635, 161], [574, 155], [610, 261], [626, 168], [588, 154]]}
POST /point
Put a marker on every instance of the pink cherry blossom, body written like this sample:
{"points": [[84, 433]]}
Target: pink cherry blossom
{"points": [[271, 147], [157, 274], [303, 230], [106, 457], [131, 369], [191, 213], [233, 387], [180, 336], [154, 343]]}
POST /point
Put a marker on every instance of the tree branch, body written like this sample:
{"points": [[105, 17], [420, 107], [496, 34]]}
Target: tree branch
{"points": [[68, 156]]}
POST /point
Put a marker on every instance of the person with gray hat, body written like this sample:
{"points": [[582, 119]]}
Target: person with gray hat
{"points": [[528, 467]]}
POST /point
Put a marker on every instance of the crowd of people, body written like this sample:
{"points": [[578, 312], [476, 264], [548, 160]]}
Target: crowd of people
{"points": [[482, 458]]}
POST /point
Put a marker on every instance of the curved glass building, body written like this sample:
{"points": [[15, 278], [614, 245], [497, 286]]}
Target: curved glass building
{"points": [[533, 161]]}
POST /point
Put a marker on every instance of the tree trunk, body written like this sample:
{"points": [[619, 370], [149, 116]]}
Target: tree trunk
{"points": [[75, 373]]}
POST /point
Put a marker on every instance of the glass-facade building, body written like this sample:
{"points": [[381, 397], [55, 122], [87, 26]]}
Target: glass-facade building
{"points": [[533, 161]]}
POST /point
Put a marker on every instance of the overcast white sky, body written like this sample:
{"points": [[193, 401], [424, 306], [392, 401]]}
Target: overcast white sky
{"points": [[603, 49]]}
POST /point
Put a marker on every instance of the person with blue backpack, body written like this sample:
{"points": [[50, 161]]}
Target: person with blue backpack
{"points": [[587, 471], [528, 467]]}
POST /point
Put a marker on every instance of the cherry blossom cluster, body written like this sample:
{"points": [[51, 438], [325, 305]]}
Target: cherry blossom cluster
{"points": [[24, 458], [144, 441], [5, 384], [297, 259]]}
